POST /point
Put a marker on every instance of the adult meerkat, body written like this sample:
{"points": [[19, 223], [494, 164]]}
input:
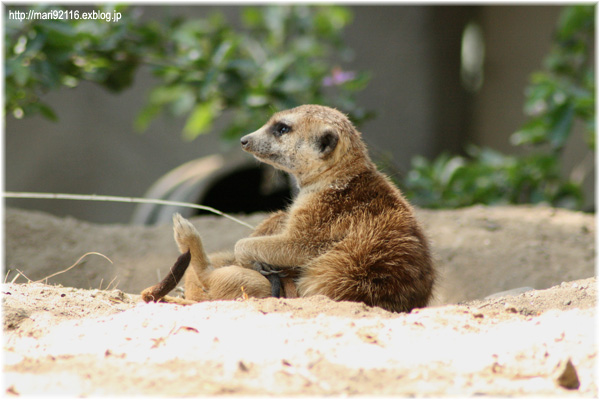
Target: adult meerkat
{"points": [[348, 235]]}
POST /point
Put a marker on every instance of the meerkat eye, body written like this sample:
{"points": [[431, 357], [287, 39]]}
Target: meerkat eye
{"points": [[281, 129]]}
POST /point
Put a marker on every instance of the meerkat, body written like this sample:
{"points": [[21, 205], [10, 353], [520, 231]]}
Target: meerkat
{"points": [[349, 235]]}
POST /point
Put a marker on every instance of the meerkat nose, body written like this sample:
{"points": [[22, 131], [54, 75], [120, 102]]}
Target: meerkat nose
{"points": [[244, 141]]}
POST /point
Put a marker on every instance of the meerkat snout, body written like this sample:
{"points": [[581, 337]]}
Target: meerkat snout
{"points": [[252, 145]]}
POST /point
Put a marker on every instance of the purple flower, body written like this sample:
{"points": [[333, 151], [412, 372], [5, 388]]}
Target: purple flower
{"points": [[338, 76]]}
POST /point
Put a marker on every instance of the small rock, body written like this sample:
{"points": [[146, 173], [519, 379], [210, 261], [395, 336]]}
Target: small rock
{"points": [[491, 225], [117, 294], [11, 390], [510, 308], [567, 303], [242, 367], [566, 375]]}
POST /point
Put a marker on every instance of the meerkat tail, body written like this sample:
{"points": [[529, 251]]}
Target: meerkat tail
{"points": [[188, 239], [157, 292], [275, 281]]}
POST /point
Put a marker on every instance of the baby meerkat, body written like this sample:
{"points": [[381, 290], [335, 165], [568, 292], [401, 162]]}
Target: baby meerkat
{"points": [[348, 235]]}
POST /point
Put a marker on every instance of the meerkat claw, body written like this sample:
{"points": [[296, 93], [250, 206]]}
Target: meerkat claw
{"points": [[266, 269], [273, 272]]}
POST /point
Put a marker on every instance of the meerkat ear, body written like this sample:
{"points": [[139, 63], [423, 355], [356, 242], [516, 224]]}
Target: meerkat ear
{"points": [[327, 142]]}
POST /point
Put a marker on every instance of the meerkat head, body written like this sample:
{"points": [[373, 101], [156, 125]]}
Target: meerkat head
{"points": [[306, 141]]}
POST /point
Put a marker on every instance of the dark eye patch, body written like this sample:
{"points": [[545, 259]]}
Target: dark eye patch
{"points": [[281, 128]]}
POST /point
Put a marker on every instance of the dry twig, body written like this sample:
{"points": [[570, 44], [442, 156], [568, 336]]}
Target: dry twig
{"points": [[72, 266], [117, 199]]}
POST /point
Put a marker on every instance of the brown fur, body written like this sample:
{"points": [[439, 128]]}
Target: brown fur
{"points": [[349, 235]]}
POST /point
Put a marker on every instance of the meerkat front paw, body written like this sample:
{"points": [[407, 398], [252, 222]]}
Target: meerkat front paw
{"points": [[273, 275], [186, 236], [267, 269]]}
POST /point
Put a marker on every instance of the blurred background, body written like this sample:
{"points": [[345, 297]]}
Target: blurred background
{"points": [[461, 105]]}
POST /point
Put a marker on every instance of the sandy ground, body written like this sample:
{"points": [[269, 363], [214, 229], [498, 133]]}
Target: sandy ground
{"points": [[87, 338]]}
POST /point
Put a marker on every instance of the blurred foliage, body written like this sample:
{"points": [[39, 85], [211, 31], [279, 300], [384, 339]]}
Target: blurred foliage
{"points": [[42, 55], [558, 95], [490, 177], [565, 89], [283, 56]]}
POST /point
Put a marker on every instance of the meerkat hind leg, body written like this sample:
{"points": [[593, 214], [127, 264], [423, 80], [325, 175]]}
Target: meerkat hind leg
{"points": [[188, 238], [289, 288], [232, 282]]}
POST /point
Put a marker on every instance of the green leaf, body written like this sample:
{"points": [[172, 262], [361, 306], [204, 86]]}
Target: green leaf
{"points": [[167, 94], [20, 72], [575, 19], [450, 169], [184, 103], [252, 17], [200, 121], [562, 120], [47, 112], [590, 134], [36, 44], [533, 132], [148, 113], [57, 26], [273, 69], [223, 52], [331, 19]]}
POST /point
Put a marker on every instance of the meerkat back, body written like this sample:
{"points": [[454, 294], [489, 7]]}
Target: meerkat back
{"points": [[383, 259]]}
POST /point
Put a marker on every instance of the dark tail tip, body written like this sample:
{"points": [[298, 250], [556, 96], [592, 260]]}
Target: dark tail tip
{"points": [[157, 292]]}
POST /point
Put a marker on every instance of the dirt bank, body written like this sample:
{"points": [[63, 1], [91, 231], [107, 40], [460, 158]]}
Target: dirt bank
{"points": [[478, 250]]}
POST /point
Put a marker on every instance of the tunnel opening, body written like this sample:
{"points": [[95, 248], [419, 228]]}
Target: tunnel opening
{"points": [[247, 191]]}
